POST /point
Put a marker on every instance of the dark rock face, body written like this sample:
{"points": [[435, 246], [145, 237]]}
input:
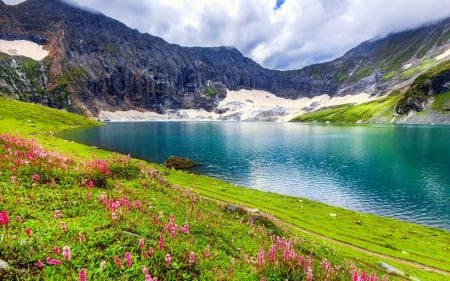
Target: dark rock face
{"points": [[97, 63]]}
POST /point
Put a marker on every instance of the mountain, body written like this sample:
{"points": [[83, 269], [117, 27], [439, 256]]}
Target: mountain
{"points": [[96, 63]]}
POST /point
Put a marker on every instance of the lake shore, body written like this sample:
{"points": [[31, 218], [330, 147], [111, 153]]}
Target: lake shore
{"points": [[399, 240]]}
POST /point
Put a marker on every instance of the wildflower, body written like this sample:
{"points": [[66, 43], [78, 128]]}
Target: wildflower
{"points": [[167, 259], [39, 264], [90, 184], [87, 196], [82, 238], [56, 250], [186, 228], [373, 277], [118, 262], [144, 270], [161, 241], [262, 279], [13, 179], [127, 258], [309, 275], [103, 265], [206, 253], [66, 253], [137, 203], [150, 251], [272, 254], [35, 177], [261, 257], [82, 275], [141, 244], [27, 231], [50, 261], [191, 257], [57, 214], [148, 277], [63, 226], [18, 219]]}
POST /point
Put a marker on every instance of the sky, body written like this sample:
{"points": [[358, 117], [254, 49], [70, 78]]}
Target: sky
{"points": [[278, 34]]}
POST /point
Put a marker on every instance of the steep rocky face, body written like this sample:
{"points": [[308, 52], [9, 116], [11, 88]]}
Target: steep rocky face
{"points": [[97, 63]]}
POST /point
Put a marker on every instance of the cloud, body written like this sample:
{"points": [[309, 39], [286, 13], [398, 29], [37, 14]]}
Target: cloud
{"points": [[281, 34]]}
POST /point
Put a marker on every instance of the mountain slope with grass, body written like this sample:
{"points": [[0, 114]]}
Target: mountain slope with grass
{"points": [[96, 64], [69, 209], [426, 100]]}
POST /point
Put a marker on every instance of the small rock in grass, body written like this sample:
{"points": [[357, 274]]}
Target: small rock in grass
{"points": [[332, 215], [3, 265]]}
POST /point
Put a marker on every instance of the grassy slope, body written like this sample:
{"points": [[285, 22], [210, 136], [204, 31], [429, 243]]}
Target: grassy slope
{"points": [[387, 236], [348, 113]]}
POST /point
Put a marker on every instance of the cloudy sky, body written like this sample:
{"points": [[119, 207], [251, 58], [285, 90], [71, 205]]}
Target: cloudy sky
{"points": [[279, 34]]}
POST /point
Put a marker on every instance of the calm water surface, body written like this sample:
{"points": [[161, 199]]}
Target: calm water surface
{"points": [[395, 171]]}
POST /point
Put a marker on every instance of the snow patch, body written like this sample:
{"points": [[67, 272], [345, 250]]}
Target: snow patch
{"points": [[23, 48], [243, 105], [443, 56]]}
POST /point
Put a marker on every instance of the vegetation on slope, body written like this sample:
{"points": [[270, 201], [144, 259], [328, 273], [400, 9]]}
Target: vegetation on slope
{"points": [[112, 217], [382, 108]]}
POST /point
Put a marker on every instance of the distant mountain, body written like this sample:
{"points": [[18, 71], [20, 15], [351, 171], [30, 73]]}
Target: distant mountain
{"points": [[97, 63]]}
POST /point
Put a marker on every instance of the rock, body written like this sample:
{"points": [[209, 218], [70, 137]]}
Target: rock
{"points": [[332, 215], [231, 208], [3, 265], [180, 163]]}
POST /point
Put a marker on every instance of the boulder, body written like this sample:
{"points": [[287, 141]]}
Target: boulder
{"points": [[180, 163]]}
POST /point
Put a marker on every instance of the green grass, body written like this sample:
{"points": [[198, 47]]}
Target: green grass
{"points": [[442, 102], [348, 113], [426, 64], [227, 234]]}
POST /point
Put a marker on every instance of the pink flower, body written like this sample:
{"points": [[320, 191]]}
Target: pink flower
{"points": [[87, 196], [57, 214], [262, 279], [127, 258], [56, 250], [161, 241], [18, 219], [261, 257], [82, 275], [63, 226], [82, 238], [144, 270], [148, 277], [13, 179], [186, 228], [52, 261], [39, 264], [66, 253], [118, 262], [90, 184], [27, 231], [167, 259], [137, 203], [191, 257], [150, 251], [141, 244], [35, 177]]}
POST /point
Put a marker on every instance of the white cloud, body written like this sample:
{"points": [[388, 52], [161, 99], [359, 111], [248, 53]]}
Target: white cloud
{"points": [[301, 32]]}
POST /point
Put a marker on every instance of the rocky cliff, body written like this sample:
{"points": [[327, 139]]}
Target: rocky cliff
{"points": [[96, 63]]}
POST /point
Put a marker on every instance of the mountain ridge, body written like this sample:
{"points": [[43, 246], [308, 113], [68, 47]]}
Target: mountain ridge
{"points": [[98, 63]]}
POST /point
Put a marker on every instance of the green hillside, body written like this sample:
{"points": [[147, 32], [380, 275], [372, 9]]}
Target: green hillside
{"points": [[70, 210]]}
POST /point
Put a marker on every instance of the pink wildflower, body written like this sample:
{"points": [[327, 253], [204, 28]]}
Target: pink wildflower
{"points": [[191, 257], [56, 250], [137, 203], [57, 214], [82, 238], [373, 277], [272, 254], [167, 259], [141, 244], [150, 251], [82, 275], [18, 219], [39, 264], [144, 270], [90, 184], [309, 275], [147, 277], [52, 261], [161, 241], [186, 228], [118, 262], [66, 253], [261, 257], [27, 231], [35, 177], [13, 179], [127, 258], [262, 279], [63, 226]]}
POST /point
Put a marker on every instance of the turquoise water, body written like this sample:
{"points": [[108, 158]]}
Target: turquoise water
{"points": [[401, 172]]}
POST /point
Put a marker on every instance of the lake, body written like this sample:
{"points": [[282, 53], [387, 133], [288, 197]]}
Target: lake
{"points": [[395, 171]]}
